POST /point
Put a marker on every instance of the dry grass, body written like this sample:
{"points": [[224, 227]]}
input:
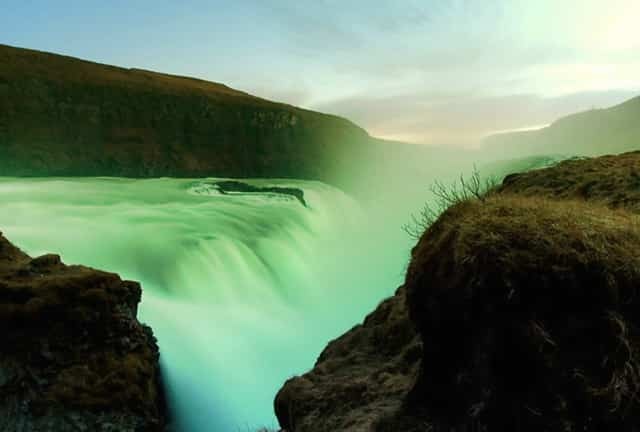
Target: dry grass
{"points": [[445, 196], [529, 311], [610, 180], [51, 67]]}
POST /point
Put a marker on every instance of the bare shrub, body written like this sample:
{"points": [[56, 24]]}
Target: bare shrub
{"points": [[445, 196]]}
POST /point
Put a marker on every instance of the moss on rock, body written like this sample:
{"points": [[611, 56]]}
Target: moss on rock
{"points": [[73, 348]]}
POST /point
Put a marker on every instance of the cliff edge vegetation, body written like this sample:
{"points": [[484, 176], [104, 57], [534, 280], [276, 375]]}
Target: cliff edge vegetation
{"points": [[524, 302]]}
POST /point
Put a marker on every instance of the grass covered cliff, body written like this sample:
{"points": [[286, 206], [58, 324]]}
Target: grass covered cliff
{"points": [[524, 303], [68, 117]]}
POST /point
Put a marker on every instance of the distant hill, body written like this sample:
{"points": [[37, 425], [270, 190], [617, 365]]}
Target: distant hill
{"points": [[590, 133], [67, 117]]}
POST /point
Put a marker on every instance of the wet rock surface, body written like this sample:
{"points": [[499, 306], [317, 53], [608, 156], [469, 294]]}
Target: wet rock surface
{"points": [[359, 379], [231, 186], [73, 356]]}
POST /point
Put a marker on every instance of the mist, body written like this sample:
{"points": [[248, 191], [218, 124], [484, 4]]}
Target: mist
{"points": [[243, 291]]}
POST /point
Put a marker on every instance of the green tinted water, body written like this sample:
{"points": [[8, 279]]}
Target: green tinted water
{"points": [[242, 291]]}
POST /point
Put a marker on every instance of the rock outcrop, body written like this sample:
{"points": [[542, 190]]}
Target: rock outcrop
{"points": [[231, 186], [359, 379], [67, 117], [526, 308], [529, 312], [73, 356]]}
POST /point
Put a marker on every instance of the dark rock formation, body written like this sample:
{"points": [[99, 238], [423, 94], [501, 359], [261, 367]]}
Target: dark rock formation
{"points": [[230, 186], [527, 305], [359, 379], [73, 356], [67, 117]]}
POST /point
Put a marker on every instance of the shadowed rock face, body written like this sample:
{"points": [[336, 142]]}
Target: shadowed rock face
{"points": [[525, 307], [359, 379], [68, 117], [73, 356]]}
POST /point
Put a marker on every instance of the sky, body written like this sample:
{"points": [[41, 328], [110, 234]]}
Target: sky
{"points": [[425, 71]]}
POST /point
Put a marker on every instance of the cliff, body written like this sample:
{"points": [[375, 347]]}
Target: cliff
{"points": [[519, 312], [68, 117], [73, 356], [362, 376], [589, 133]]}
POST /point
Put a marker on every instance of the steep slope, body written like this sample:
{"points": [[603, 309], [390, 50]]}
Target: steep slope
{"points": [[526, 306], [528, 311], [360, 378], [64, 116], [590, 133], [73, 356]]}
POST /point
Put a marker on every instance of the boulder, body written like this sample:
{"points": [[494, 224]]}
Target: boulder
{"points": [[73, 356]]}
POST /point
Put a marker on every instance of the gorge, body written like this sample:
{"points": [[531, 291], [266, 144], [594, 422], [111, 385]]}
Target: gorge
{"points": [[241, 291], [260, 231]]}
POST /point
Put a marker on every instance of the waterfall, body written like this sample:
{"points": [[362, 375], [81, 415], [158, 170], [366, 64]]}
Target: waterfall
{"points": [[242, 290]]}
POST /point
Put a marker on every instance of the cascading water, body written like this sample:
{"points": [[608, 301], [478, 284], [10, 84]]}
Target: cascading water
{"points": [[242, 291]]}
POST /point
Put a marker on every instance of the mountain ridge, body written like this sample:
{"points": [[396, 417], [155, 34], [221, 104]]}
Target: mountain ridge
{"points": [[595, 132], [60, 115]]}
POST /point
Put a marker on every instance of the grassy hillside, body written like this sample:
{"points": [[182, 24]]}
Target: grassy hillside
{"points": [[64, 116], [610, 180], [589, 133]]}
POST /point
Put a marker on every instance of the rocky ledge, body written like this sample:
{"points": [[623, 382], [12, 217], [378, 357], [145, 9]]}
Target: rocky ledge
{"points": [[520, 312], [360, 377], [232, 186], [73, 356]]}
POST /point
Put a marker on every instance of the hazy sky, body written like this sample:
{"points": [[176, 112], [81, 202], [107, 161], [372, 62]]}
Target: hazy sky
{"points": [[423, 71]]}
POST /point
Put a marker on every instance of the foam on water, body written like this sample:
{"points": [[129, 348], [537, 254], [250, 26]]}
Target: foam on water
{"points": [[242, 290]]}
